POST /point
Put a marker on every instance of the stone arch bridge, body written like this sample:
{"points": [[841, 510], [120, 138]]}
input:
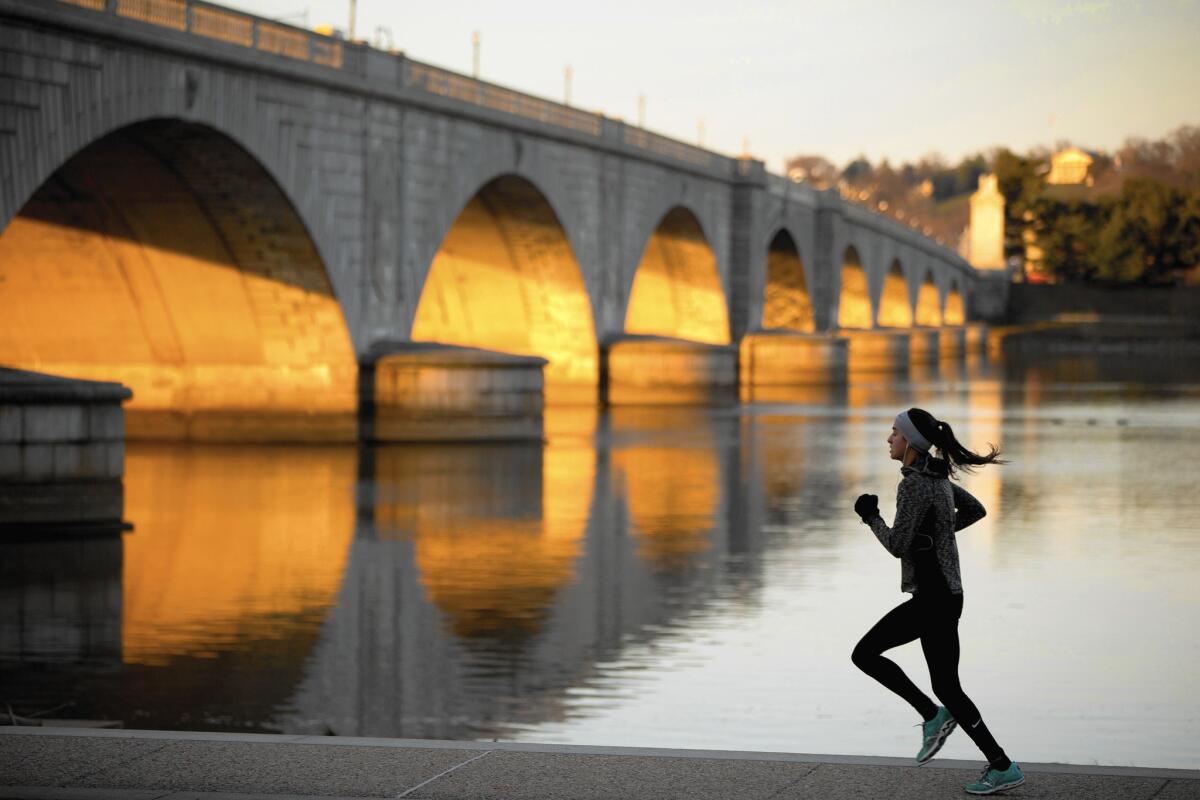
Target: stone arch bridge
{"points": [[234, 217]]}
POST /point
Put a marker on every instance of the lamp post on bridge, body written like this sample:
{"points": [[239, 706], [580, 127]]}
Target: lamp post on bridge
{"points": [[475, 55]]}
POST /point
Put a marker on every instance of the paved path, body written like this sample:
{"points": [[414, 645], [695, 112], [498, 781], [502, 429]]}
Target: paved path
{"points": [[53, 763]]}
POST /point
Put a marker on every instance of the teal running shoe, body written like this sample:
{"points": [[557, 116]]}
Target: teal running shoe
{"points": [[936, 731], [993, 780]]}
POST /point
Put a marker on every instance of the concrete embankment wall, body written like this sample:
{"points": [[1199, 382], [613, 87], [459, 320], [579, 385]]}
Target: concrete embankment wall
{"points": [[1034, 302], [1100, 320]]}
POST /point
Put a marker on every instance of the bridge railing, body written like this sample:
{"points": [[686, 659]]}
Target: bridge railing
{"points": [[216, 22], [671, 148], [451, 84], [786, 187], [235, 27], [443, 82], [211, 21]]}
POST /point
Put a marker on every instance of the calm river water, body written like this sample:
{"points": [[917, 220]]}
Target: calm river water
{"points": [[653, 577]]}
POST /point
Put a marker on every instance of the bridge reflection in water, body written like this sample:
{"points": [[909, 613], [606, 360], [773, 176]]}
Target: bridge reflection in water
{"points": [[443, 591], [433, 590]]}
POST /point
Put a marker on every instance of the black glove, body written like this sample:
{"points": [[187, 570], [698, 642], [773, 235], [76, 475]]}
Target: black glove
{"points": [[867, 506]]}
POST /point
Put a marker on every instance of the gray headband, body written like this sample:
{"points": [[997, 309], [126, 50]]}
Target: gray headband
{"points": [[905, 425]]}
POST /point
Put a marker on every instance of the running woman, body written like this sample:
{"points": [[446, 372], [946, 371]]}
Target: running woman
{"points": [[929, 510]]}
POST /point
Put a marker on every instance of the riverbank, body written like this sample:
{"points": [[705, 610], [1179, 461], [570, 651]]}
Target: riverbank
{"points": [[1028, 302], [1083, 319], [47, 764], [1094, 334]]}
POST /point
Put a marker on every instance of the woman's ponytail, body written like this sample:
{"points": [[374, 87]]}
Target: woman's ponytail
{"points": [[941, 435]]}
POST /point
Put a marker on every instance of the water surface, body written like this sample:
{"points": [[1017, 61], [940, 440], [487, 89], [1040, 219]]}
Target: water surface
{"points": [[649, 577]]}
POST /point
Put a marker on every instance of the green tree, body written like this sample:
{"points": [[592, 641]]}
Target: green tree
{"points": [[966, 174], [817, 170], [857, 170], [1020, 181], [1152, 234], [1067, 232]]}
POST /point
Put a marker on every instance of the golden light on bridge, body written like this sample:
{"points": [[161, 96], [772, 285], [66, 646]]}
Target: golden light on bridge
{"points": [[677, 288], [854, 302], [131, 264], [506, 279], [895, 310], [955, 313], [787, 303], [929, 306]]}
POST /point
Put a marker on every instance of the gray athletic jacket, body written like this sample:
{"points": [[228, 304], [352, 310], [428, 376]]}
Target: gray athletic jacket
{"points": [[929, 510]]}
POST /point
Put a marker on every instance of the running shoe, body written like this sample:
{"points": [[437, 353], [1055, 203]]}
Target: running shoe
{"points": [[935, 732], [992, 781]]}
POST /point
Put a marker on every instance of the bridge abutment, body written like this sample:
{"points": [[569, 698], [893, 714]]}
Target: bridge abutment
{"points": [[878, 351], [428, 392], [62, 454], [924, 345], [788, 358], [656, 370], [951, 342]]}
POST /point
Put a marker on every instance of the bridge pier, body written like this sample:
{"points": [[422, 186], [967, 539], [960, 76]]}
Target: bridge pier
{"points": [[924, 346], [975, 338], [62, 454], [430, 392], [656, 370], [881, 350], [951, 343], [789, 358]]}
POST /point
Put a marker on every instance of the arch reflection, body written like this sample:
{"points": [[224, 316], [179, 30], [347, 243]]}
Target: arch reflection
{"points": [[233, 545], [672, 484], [496, 530]]}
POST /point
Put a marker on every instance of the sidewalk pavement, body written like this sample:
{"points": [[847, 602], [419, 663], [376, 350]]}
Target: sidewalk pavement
{"points": [[90, 764]]}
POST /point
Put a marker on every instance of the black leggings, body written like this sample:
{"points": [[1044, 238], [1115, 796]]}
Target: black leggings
{"points": [[933, 620]]}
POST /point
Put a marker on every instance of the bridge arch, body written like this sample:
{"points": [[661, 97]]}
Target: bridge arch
{"points": [[787, 301], [677, 289], [954, 307], [929, 302], [895, 302], [505, 277], [146, 94], [165, 255], [854, 308], [500, 158]]}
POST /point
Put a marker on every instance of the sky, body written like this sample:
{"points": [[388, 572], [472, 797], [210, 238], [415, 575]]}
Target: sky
{"points": [[838, 78]]}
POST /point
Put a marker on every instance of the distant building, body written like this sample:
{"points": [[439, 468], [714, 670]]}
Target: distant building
{"points": [[1070, 167], [983, 242]]}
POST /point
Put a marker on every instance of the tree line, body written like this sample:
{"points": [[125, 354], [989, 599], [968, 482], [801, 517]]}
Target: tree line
{"points": [[1137, 220]]}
